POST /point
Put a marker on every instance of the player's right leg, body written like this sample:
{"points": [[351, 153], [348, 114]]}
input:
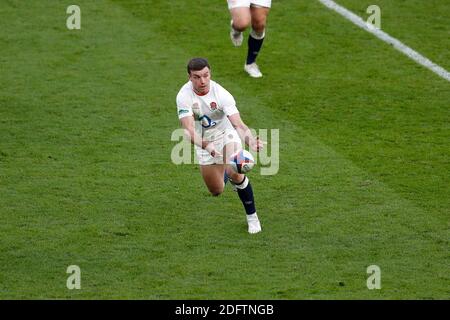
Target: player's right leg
{"points": [[240, 19]]}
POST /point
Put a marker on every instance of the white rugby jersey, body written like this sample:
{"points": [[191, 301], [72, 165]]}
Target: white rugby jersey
{"points": [[210, 110]]}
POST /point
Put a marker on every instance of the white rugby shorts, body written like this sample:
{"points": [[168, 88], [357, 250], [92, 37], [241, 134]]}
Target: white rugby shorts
{"points": [[247, 3], [203, 156]]}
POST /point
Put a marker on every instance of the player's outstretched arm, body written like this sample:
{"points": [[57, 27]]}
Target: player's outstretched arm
{"points": [[189, 131], [244, 132]]}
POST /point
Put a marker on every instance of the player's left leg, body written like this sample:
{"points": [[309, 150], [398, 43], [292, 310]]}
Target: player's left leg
{"points": [[256, 38], [243, 188], [240, 20]]}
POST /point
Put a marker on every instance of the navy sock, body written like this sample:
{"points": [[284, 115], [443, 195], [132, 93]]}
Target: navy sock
{"points": [[254, 45], [225, 177], [246, 196]]}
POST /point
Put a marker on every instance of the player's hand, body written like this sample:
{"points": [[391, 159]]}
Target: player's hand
{"points": [[212, 150], [257, 144]]}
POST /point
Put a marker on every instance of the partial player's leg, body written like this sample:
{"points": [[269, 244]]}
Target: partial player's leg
{"points": [[240, 20], [243, 188], [213, 176], [256, 39]]}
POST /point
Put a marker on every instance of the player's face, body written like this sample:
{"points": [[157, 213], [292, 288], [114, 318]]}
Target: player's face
{"points": [[200, 80]]}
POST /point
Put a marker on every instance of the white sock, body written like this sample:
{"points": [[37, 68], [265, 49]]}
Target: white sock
{"points": [[257, 35]]}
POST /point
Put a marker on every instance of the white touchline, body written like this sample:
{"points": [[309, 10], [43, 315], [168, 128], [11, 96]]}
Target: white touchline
{"points": [[388, 39]]}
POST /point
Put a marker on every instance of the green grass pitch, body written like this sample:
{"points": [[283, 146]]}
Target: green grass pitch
{"points": [[86, 178]]}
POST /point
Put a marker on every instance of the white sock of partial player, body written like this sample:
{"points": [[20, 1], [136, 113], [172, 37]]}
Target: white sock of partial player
{"points": [[258, 35]]}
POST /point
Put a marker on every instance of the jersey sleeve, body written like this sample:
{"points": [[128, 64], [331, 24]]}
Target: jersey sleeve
{"points": [[184, 108], [228, 103]]}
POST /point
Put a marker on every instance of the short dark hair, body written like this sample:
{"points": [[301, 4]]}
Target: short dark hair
{"points": [[197, 64]]}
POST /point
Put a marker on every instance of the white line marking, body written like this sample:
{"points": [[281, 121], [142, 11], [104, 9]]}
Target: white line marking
{"points": [[388, 39]]}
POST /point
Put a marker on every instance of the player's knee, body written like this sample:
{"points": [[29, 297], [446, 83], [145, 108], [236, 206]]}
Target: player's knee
{"points": [[237, 177], [216, 193], [259, 26], [241, 24]]}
